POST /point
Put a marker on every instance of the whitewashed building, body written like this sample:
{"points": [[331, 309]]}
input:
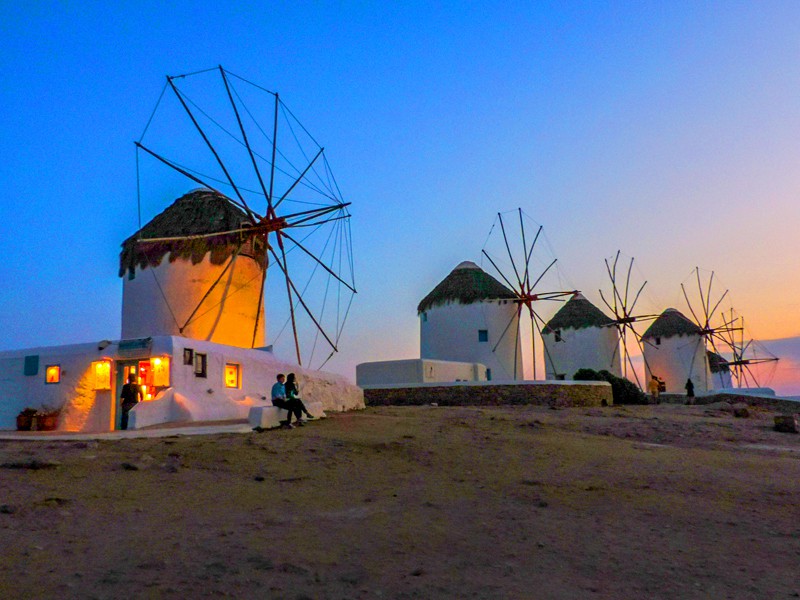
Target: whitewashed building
{"points": [[580, 336], [471, 317], [674, 351], [190, 349]]}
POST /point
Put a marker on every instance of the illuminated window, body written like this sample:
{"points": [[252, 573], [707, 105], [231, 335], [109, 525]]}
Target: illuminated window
{"points": [[483, 335], [200, 365], [232, 375], [52, 374], [160, 369], [102, 375]]}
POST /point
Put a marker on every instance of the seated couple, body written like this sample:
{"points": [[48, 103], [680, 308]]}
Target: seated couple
{"points": [[286, 395]]}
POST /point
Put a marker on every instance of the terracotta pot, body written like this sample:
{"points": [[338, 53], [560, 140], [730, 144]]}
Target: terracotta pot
{"points": [[24, 422], [46, 422]]}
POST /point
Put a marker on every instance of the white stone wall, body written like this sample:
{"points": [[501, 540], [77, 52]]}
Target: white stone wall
{"points": [[84, 408], [450, 332], [677, 359], [201, 398], [227, 315], [595, 348], [417, 371]]}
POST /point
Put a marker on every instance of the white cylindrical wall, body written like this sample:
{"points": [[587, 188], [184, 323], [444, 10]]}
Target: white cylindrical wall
{"points": [[676, 359], [159, 301], [452, 332], [585, 348]]}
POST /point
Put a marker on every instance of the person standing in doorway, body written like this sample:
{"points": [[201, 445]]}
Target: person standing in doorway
{"points": [[131, 395]]}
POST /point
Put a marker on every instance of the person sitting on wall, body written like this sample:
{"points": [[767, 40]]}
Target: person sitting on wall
{"points": [[290, 405], [131, 395], [654, 387], [293, 393]]}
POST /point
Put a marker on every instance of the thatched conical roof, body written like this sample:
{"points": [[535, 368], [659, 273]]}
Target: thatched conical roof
{"points": [[199, 212], [716, 363], [577, 313], [671, 323], [466, 284]]}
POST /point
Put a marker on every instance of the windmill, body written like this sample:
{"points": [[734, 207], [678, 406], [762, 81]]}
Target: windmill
{"points": [[715, 328], [746, 356], [242, 143], [513, 259], [623, 304]]}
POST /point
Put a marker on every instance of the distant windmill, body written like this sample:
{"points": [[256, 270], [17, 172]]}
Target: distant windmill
{"points": [[747, 357], [622, 304], [513, 260]]}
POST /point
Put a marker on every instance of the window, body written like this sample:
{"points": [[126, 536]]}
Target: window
{"points": [[102, 374], [658, 341], [424, 317], [32, 365], [232, 375], [52, 374], [188, 356], [560, 376], [200, 365], [488, 374], [557, 335], [159, 366], [483, 335]]}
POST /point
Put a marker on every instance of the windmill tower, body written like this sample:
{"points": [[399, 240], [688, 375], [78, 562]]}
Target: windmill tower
{"points": [[168, 288], [268, 199], [674, 352], [580, 336], [467, 317]]}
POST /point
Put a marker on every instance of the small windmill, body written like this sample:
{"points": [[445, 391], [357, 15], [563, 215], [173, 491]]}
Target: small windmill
{"points": [[520, 270], [623, 304], [286, 192], [746, 356], [715, 328]]}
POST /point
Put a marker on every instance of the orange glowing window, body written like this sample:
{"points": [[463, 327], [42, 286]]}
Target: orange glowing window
{"points": [[102, 375], [52, 374], [160, 371], [232, 375]]}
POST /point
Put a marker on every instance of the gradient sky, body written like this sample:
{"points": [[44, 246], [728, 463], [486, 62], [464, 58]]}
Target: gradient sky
{"points": [[670, 131]]}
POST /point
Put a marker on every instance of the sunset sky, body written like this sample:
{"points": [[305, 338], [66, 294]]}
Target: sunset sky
{"points": [[670, 131]]}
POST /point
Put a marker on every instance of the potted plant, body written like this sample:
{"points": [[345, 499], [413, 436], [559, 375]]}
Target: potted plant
{"points": [[25, 419], [47, 419]]}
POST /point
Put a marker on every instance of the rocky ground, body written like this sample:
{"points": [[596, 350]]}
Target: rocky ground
{"points": [[416, 502]]}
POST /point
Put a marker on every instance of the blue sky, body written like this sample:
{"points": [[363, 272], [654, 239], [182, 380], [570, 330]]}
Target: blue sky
{"points": [[667, 130]]}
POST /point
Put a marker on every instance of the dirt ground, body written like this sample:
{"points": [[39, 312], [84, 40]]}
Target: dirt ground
{"points": [[414, 502]]}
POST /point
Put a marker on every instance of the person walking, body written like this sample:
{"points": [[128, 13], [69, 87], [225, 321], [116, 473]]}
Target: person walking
{"points": [[654, 387], [280, 399], [131, 395], [293, 393], [689, 391]]}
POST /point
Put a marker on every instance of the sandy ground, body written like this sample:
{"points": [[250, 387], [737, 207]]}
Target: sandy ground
{"points": [[414, 502]]}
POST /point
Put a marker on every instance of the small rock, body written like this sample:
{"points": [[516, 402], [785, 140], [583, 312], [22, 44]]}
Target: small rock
{"points": [[741, 413], [259, 478], [417, 572], [126, 466], [786, 424], [542, 504], [7, 509]]}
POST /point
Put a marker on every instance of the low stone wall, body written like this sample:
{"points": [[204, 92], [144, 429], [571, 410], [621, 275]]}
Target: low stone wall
{"points": [[777, 404], [538, 393]]}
